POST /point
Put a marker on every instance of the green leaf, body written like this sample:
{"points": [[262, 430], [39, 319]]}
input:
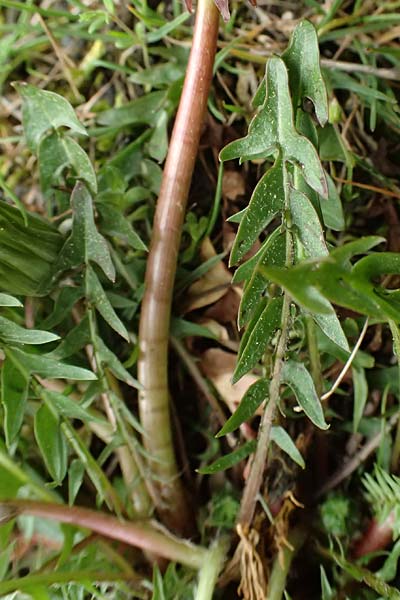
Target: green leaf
{"points": [[67, 297], [51, 442], [180, 328], [14, 393], [360, 389], [97, 296], [272, 130], [158, 144], [114, 223], [344, 253], [109, 359], [306, 220], [46, 367], [254, 396], [229, 460], [388, 571], [76, 339], [285, 443], [140, 111], [67, 407], [56, 153], [305, 77], [332, 328], [85, 244], [272, 252], [266, 202], [7, 300], [326, 590], [351, 287], [76, 472], [296, 281], [43, 111], [296, 376], [332, 209], [257, 336], [37, 244], [11, 333]]}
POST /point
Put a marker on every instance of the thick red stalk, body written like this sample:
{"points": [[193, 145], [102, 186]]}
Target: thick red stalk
{"points": [[173, 507]]}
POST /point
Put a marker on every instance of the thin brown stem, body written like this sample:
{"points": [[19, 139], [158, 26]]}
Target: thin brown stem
{"points": [[145, 535], [172, 506]]}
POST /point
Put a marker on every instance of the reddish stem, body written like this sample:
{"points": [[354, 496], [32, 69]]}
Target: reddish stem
{"points": [[145, 535], [172, 505], [376, 537]]}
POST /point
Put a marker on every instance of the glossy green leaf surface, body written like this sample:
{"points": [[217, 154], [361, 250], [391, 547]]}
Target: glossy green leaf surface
{"points": [[296, 376]]}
